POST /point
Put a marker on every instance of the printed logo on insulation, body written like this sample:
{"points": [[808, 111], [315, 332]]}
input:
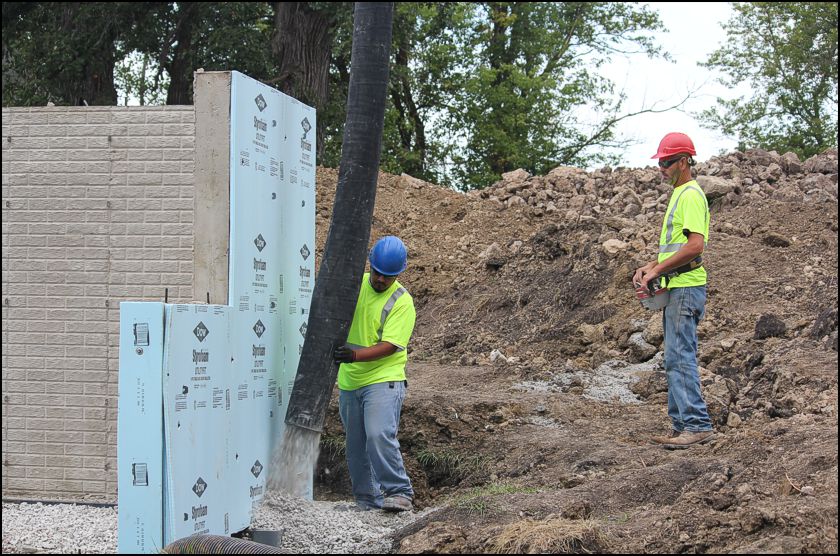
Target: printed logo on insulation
{"points": [[199, 487], [256, 469], [201, 331], [261, 103], [259, 242]]}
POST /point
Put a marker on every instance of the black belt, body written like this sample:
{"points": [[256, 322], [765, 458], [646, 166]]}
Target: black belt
{"points": [[693, 264]]}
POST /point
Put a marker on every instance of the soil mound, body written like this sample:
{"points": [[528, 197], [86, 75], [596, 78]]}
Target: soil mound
{"points": [[536, 376]]}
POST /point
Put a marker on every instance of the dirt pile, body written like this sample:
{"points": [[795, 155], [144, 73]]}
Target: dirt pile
{"points": [[536, 377]]}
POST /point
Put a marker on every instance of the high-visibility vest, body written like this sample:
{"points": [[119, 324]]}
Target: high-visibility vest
{"points": [[685, 212]]}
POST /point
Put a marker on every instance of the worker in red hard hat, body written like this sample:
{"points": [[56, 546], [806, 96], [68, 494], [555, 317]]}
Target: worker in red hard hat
{"points": [[685, 232]]}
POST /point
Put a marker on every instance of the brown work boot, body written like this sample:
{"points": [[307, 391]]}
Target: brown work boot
{"points": [[397, 503], [688, 439], [664, 439]]}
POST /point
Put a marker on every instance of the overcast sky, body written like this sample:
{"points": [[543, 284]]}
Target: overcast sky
{"points": [[692, 32]]}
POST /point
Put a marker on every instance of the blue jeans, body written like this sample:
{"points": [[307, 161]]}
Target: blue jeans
{"points": [[371, 417], [686, 406]]}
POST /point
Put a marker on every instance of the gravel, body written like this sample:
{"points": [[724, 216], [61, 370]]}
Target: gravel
{"points": [[329, 527], [307, 527], [59, 529], [610, 382]]}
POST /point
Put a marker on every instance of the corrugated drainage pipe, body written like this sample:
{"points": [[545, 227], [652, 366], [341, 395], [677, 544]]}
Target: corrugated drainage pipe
{"points": [[218, 544]]}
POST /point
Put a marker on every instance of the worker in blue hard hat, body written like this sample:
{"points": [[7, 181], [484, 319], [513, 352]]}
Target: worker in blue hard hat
{"points": [[372, 383]]}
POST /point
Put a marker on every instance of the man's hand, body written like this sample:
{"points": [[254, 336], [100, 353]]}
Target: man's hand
{"points": [[344, 354], [641, 272], [646, 279]]}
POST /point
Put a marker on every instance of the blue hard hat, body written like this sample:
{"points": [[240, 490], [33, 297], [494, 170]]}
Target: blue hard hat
{"points": [[388, 257]]}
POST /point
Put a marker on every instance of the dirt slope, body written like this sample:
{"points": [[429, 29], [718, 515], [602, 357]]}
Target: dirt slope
{"points": [[535, 377]]}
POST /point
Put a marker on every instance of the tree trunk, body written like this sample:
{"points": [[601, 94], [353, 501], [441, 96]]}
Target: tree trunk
{"points": [[302, 43], [410, 125], [95, 86], [180, 69], [340, 275]]}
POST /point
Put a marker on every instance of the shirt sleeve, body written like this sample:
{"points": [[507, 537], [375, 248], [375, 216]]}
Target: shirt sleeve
{"points": [[400, 323], [693, 208]]}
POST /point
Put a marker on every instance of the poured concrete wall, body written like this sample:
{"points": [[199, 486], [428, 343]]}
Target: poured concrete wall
{"points": [[212, 186]]}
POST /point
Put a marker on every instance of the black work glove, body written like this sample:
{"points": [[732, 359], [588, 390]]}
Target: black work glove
{"points": [[344, 354]]}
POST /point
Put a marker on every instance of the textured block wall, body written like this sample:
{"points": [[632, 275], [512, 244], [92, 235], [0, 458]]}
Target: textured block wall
{"points": [[97, 208]]}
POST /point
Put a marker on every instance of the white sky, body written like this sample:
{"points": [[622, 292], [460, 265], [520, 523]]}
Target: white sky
{"points": [[692, 32]]}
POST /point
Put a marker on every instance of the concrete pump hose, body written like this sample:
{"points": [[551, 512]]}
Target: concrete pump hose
{"points": [[218, 544]]}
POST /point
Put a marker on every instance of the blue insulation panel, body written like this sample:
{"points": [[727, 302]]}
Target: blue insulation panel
{"points": [[222, 375], [197, 417], [140, 429]]}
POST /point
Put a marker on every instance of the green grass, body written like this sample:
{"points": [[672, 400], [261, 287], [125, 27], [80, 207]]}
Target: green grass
{"points": [[493, 489], [450, 462], [334, 446], [474, 503], [476, 507]]}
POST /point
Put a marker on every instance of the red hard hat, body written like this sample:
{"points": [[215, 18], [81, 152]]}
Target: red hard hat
{"points": [[675, 143]]}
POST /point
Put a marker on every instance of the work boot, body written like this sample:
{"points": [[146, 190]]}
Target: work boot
{"points": [[687, 439], [665, 439], [397, 503]]}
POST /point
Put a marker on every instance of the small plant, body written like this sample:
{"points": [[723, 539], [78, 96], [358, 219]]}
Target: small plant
{"points": [[473, 500], [451, 463], [333, 446], [501, 488], [475, 507]]}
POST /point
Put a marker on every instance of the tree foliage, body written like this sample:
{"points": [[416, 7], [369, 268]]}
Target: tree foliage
{"points": [[787, 52], [425, 75], [182, 37], [476, 88], [532, 74], [62, 52]]}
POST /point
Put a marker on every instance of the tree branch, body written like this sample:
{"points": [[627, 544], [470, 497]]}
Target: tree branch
{"points": [[606, 126]]}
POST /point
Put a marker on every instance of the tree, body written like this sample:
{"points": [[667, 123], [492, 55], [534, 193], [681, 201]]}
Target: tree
{"points": [[134, 79], [216, 36], [70, 52], [62, 52], [787, 52], [424, 65], [529, 70], [302, 44]]}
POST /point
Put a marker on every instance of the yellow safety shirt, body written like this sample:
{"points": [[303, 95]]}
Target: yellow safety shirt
{"points": [[688, 211], [380, 317]]}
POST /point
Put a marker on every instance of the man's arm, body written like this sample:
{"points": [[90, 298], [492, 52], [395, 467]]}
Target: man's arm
{"points": [[378, 351], [344, 354], [687, 253]]}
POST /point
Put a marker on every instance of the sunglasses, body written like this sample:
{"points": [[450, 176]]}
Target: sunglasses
{"points": [[668, 163]]}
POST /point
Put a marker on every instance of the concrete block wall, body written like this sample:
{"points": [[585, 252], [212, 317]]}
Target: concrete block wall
{"points": [[97, 207]]}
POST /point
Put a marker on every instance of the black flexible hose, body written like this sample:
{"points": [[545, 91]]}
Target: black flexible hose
{"points": [[340, 274]]}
